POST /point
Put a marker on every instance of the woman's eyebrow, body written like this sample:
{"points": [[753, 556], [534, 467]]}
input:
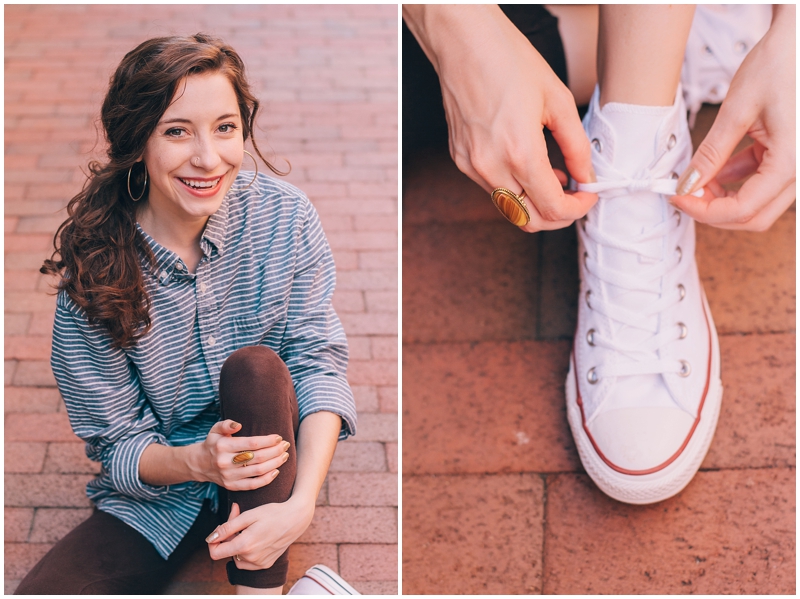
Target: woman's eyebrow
{"points": [[180, 120]]}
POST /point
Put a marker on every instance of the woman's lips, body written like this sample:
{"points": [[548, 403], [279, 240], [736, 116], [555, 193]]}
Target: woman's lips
{"points": [[202, 187]]}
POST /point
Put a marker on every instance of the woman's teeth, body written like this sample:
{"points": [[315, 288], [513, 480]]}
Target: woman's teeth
{"points": [[200, 184]]}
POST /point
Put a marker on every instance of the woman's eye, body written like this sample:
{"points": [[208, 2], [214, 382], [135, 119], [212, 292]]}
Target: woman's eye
{"points": [[175, 132], [227, 128]]}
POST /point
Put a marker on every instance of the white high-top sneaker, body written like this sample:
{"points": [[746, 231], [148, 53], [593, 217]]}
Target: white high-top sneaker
{"points": [[643, 390], [321, 580]]}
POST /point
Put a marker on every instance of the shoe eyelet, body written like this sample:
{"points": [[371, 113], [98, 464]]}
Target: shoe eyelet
{"points": [[589, 295], [678, 214], [592, 377], [585, 257], [597, 145], [674, 175], [708, 50], [740, 47], [678, 249], [682, 291], [590, 337], [685, 370], [671, 142], [684, 330]]}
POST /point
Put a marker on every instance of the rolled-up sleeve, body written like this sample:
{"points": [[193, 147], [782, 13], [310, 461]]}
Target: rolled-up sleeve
{"points": [[314, 345], [105, 403]]}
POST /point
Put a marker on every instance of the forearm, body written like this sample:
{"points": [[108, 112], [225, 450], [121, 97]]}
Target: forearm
{"points": [[162, 465], [460, 28], [316, 443]]}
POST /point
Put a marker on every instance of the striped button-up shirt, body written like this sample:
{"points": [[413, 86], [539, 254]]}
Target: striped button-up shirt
{"points": [[266, 278]]}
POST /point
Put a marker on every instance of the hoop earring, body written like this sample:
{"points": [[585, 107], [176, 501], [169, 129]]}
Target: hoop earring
{"points": [[254, 176], [143, 187]]}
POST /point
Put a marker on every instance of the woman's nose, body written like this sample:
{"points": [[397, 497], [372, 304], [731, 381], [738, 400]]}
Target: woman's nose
{"points": [[206, 155]]}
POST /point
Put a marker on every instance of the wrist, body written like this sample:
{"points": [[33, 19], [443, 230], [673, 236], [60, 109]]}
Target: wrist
{"points": [[303, 502], [191, 457]]}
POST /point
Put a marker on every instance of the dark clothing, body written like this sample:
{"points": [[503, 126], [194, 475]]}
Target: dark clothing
{"points": [[104, 555]]}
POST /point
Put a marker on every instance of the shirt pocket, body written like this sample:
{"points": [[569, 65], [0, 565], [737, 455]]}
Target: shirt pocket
{"points": [[253, 328]]}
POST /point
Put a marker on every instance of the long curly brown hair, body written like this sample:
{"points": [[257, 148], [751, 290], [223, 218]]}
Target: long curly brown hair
{"points": [[97, 247]]}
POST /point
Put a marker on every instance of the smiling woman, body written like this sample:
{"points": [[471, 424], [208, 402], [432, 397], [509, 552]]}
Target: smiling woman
{"points": [[195, 343], [192, 159]]}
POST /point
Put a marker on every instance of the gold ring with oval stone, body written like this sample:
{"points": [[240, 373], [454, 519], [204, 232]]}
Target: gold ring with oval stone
{"points": [[243, 457], [512, 206]]}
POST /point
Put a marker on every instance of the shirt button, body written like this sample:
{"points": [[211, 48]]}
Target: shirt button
{"points": [[203, 287], [211, 341], [741, 47], [179, 266], [163, 276]]}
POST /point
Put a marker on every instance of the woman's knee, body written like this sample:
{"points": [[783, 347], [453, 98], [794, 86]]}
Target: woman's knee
{"points": [[255, 381], [256, 364]]}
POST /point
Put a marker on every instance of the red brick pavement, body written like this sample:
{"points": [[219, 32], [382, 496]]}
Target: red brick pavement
{"points": [[495, 499], [327, 78]]}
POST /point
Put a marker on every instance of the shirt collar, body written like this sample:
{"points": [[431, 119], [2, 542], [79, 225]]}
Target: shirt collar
{"points": [[217, 226], [212, 241]]}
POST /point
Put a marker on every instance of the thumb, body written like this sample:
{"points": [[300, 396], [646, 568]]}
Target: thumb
{"points": [[228, 529], [720, 142], [225, 427]]}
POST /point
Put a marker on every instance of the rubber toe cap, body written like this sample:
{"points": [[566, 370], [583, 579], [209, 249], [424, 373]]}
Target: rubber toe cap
{"points": [[640, 439]]}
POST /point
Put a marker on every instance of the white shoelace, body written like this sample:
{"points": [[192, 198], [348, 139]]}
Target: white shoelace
{"points": [[642, 357]]}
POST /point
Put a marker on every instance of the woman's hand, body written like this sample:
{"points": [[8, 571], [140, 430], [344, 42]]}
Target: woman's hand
{"points": [[498, 94], [213, 459], [259, 536], [761, 104]]}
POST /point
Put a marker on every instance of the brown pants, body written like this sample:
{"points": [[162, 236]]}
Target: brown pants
{"points": [[104, 555]]}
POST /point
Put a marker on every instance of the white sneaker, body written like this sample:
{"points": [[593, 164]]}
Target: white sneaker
{"points": [[720, 38], [643, 390], [321, 580]]}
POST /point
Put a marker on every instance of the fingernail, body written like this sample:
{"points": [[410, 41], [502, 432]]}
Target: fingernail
{"points": [[212, 537], [285, 457], [275, 473], [687, 182], [235, 425], [592, 177], [286, 446], [279, 439]]}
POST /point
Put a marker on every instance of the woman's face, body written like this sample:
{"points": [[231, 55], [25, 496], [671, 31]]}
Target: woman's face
{"points": [[196, 150]]}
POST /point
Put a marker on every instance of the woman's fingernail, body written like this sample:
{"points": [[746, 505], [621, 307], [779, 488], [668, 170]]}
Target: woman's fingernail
{"points": [[592, 177], [285, 457], [212, 537], [286, 446], [687, 182], [279, 439], [275, 473], [235, 425]]}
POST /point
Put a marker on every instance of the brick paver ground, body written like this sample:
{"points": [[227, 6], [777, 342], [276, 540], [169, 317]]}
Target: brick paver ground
{"points": [[495, 499], [327, 77]]}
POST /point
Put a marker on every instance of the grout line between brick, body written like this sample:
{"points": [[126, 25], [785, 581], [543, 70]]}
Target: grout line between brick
{"points": [[544, 529], [410, 475]]}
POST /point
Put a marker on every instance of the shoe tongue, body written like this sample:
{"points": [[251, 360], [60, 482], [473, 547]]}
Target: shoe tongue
{"points": [[629, 214], [635, 135]]}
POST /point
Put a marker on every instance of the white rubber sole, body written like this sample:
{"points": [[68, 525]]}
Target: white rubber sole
{"points": [[330, 580], [669, 481]]}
